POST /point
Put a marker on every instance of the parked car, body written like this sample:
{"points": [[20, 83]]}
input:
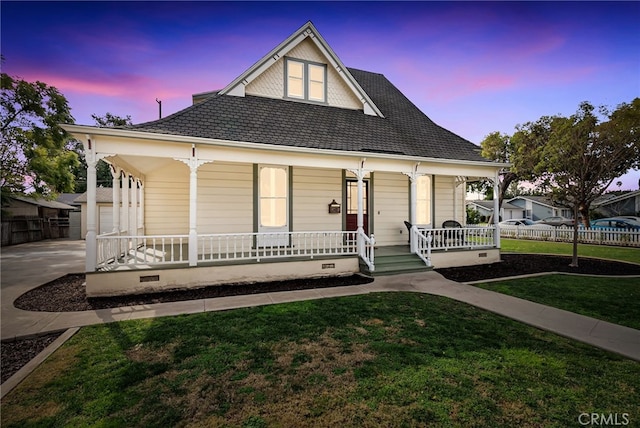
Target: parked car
{"points": [[524, 222], [556, 221], [630, 217], [615, 223]]}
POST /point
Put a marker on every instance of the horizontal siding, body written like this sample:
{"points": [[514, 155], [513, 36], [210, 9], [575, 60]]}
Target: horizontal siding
{"points": [[444, 200], [313, 190], [225, 198], [391, 208], [166, 200]]}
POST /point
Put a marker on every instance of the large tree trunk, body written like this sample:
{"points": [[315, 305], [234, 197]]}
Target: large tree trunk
{"points": [[507, 179], [574, 259]]}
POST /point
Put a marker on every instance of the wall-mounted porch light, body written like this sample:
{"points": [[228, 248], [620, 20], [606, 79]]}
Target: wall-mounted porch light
{"points": [[334, 207]]}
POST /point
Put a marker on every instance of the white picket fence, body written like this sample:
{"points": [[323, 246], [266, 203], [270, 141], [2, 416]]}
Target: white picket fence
{"points": [[621, 237]]}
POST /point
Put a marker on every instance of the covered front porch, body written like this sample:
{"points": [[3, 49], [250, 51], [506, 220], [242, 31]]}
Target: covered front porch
{"points": [[189, 210]]}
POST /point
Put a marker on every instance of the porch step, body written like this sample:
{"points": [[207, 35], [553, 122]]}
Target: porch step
{"points": [[395, 264]]}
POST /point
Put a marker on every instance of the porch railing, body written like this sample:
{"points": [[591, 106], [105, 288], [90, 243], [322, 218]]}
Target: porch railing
{"points": [[367, 253], [421, 243], [114, 250], [117, 249], [258, 246], [462, 238], [424, 241]]}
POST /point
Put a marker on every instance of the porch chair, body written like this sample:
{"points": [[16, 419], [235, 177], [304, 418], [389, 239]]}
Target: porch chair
{"points": [[457, 236], [409, 226]]}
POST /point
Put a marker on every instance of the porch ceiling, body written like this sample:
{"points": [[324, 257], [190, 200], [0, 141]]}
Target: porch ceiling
{"points": [[140, 164]]}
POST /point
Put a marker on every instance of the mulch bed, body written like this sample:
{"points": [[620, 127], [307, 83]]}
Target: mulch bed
{"points": [[523, 264], [68, 293]]}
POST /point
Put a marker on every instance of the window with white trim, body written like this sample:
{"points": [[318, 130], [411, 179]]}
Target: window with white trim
{"points": [[306, 80], [273, 196], [423, 200]]}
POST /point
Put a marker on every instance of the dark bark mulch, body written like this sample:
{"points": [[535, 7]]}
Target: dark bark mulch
{"points": [[67, 293], [523, 264], [17, 353]]}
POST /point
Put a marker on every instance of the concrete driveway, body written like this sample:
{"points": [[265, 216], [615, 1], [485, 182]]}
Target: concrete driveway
{"points": [[26, 266]]}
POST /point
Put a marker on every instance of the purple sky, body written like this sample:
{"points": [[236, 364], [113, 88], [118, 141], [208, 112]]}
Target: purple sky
{"points": [[472, 67]]}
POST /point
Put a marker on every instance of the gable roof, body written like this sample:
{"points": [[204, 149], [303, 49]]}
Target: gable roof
{"points": [[41, 202], [542, 200], [404, 130], [103, 195], [611, 198], [488, 205], [308, 30]]}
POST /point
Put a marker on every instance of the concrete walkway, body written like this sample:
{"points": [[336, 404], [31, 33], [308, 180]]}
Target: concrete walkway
{"points": [[29, 265]]}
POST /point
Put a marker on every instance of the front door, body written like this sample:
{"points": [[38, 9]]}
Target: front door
{"points": [[352, 205], [273, 206]]}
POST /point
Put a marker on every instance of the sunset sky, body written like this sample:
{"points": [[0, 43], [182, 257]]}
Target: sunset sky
{"points": [[472, 67]]}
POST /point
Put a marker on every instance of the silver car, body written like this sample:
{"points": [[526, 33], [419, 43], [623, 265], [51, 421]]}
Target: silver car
{"points": [[556, 221]]}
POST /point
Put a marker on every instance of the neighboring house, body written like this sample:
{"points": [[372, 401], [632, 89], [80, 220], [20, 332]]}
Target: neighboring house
{"points": [[75, 231], [299, 159], [26, 219], [612, 205], [485, 210], [24, 206], [538, 207]]}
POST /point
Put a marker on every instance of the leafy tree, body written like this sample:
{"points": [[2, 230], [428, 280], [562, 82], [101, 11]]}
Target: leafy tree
{"points": [[111, 120], [33, 153], [523, 155], [583, 156], [103, 170]]}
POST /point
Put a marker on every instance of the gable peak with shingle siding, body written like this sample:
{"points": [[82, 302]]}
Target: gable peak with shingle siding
{"points": [[306, 40]]}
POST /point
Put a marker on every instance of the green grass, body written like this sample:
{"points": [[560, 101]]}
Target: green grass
{"points": [[384, 359], [586, 250], [616, 301]]}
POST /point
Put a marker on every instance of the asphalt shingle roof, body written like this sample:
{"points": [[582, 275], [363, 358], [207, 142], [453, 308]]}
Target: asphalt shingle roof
{"points": [[404, 130]]}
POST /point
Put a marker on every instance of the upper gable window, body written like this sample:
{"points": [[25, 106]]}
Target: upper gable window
{"points": [[306, 80]]}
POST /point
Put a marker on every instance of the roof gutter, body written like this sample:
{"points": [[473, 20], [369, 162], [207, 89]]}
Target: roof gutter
{"points": [[127, 133]]}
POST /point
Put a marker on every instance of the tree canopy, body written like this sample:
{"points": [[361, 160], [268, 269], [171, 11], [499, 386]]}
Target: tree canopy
{"points": [[34, 156], [578, 157]]}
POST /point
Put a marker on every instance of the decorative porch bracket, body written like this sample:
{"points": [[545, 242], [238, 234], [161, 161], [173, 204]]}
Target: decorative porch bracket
{"points": [[193, 163]]}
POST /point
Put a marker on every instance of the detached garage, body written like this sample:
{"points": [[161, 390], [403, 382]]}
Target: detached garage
{"points": [[104, 211]]}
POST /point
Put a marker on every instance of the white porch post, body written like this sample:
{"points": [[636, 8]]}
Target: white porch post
{"points": [[141, 210], [134, 206], [496, 208], [125, 203], [193, 163], [360, 174], [91, 244], [413, 200], [458, 180], [115, 174], [193, 211]]}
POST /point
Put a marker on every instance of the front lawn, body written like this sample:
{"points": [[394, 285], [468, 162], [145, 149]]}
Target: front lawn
{"points": [[624, 254], [614, 300], [384, 359]]}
